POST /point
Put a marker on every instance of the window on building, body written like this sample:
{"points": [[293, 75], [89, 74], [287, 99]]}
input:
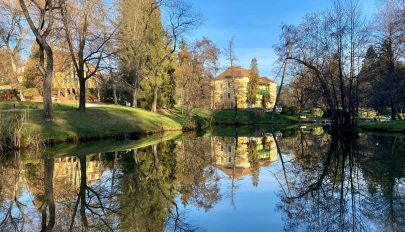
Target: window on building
{"points": [[229, 149], [229, 95], [229, 84]]}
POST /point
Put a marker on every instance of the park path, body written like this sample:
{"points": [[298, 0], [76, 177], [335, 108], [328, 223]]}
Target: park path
{"points": [[88, 105]]}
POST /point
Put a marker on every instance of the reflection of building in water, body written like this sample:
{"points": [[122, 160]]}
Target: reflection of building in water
{"points": [[233, 158], [67, 170], [66, 176]]}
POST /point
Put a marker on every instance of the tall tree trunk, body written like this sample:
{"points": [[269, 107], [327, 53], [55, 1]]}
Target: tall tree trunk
{"points": [[155, 93], [20, 91], [41, 33], [155, 98], [135, 97], [393, 109], [82, 95], [47, 88], [279, 89], [114, 87], [115, 93]]}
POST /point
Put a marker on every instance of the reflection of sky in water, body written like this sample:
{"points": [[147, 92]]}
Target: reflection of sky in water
{"points": [[254, 206], [33, 219]]}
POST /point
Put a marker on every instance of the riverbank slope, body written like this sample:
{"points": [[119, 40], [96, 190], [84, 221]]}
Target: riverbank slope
{"points": [[104, 121], [111, 121], [391, 126]]}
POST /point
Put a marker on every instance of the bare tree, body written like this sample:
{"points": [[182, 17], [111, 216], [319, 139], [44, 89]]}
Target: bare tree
{"points": [[84, 24], [12, 35], [44, 13], [327, 44], [230, 56], [195, 69], [286, 40]]}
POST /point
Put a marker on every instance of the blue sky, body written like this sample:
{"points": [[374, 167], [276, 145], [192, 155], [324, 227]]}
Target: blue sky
{"points": [[256, 25]]}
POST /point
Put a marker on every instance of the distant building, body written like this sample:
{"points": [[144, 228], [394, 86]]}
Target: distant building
{"points": [[65, 80], [224, 94]]}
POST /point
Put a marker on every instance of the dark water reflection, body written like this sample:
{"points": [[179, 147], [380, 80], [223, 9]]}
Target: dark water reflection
{"points": [[290, 181]]}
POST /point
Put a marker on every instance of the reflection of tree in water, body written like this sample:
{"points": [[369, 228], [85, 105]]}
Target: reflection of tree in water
{"points": [[254, 160], [148, 190], [95, 205], [384, 171], [134, 190], [340, 189], [13, 199], [197, 177], [11, 209]]}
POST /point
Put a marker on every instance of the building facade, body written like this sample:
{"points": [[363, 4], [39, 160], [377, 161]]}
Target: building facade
{"points": [[232, 85]]}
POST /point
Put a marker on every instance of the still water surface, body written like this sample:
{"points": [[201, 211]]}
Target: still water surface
{"points": [[283, 181]]}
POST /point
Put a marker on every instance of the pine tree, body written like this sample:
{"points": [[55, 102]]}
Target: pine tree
{"points": [[369, 80], [32, 76], [141, 49], [157, 62], [131, 45], [253, 84]]}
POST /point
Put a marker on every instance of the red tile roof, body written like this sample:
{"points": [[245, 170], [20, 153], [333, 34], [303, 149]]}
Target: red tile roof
{"points": [[241, 72], [235, 72], [265, 80]]}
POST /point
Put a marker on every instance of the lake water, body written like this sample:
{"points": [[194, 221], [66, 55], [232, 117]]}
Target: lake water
{"points": [[227, 180]]}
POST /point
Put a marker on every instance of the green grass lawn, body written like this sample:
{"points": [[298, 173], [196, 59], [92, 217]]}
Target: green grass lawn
{"points": [[97, 122], [105, 121], [391, 126], [245, 117], [198, 118]]}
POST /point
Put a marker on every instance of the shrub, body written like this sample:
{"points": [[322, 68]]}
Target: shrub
{"points": [[11, 127], [317, 112], [259, 113], [290, 110]]}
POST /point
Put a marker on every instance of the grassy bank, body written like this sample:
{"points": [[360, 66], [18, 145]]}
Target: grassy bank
{"points": [[197, 118], [246, 117], [98, 122], [109, 121], [203, 118], [391, 126]]}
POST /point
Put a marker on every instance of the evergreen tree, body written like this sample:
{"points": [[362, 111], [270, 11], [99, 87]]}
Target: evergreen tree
{"points": [[142, 50], [168, 89], [157, 62], [253, 85], [266, 98], [369, 80], [381, 81], [32, 76], [390, 82]]}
